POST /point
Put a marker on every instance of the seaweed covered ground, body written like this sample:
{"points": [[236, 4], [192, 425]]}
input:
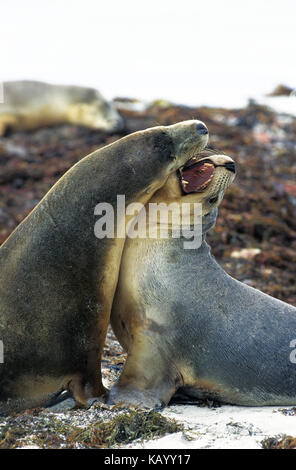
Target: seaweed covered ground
{"points": [[254, 238], [98, 428]]}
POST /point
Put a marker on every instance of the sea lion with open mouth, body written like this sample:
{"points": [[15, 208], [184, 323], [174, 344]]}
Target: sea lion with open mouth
{"points": [[156, 285], [190, 327], [57, 280]]}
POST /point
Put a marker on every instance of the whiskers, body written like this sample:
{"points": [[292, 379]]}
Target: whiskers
{"points": [[221, 183], [209, 151]]}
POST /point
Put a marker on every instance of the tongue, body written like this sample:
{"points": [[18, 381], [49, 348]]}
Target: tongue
{"points": [[195, 178]]}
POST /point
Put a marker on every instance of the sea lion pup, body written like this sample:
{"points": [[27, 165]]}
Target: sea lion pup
{"points": [[29, 105], [57, 279], [189, 326]]}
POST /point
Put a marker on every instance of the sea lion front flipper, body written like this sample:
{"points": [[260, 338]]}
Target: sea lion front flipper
{"points": [[148, 380], [21, 404]]}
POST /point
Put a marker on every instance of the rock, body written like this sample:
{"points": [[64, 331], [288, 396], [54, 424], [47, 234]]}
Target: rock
{"points": [[281, 90]]}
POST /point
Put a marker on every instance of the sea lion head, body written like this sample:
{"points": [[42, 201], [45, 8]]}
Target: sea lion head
{"points": [[156, 152], [189, 137], [203, 179], [98, 114]]}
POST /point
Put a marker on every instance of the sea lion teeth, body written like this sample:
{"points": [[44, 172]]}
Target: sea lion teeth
{"points": [[197, 176], [203, 186], [206, 165]]}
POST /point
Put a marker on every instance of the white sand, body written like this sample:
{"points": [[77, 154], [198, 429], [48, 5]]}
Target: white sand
{"points": [[227, 427]]}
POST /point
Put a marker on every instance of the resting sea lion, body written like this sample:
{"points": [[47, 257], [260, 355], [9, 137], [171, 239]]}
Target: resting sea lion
{"points": [[29, 105], [189, 326], [57, 280]]}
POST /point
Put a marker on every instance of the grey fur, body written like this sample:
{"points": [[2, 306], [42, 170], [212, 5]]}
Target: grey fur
{"points": [[207, 334]]}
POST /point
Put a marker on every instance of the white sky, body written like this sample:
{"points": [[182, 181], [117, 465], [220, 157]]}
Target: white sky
{"points": [[189, 51]]}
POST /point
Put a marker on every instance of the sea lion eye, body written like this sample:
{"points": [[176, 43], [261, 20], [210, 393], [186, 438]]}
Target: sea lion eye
{"points": [[214, 199]]}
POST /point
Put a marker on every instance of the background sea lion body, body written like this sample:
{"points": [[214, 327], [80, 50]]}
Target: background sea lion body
{"points": [[188, 325], [57, 280], [29, 105]]}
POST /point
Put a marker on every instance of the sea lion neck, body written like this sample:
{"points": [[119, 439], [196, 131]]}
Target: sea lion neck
{"points": [[168, 222], [65, 216]]}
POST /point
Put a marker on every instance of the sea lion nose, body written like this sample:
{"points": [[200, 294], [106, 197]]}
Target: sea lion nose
{"points": [[201, 129], [230, 166]]}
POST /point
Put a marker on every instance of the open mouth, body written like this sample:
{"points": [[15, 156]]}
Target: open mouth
{"points": [[196, 175]]}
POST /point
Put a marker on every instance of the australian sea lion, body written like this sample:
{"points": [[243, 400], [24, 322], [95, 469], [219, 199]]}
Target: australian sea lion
{"points": [[29, 105], [149, 309], [57, 280], [188, 325]]}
